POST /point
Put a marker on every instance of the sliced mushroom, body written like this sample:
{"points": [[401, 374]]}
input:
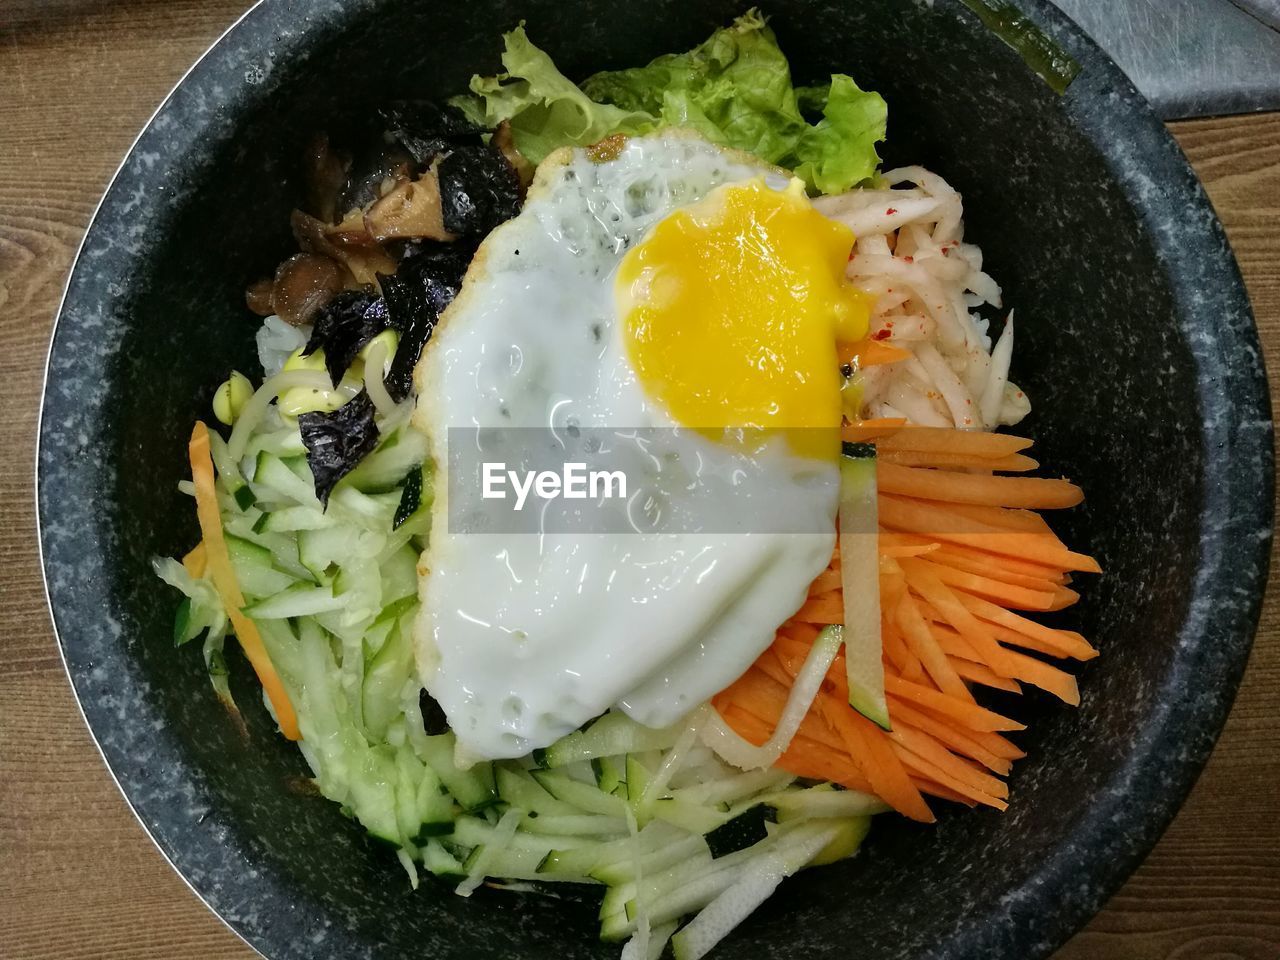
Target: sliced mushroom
{"points": [[505, 141], [368, 173], [258, 297], [348, 243], [304, 283], [326, 174], [410, 211]]}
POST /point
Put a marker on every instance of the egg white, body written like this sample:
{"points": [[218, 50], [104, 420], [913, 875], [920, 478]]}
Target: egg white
{"points": [[524, 637]]}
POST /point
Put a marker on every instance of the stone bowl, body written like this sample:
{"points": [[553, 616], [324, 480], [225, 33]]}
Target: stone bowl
{"points": [[1136, 343]]}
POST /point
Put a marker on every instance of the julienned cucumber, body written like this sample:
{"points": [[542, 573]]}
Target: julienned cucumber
{"points": [[612, 734], [860, 579]]}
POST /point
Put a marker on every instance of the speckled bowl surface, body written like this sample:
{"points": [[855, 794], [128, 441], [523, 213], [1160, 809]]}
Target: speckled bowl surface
{"points": [[1136, 344]]}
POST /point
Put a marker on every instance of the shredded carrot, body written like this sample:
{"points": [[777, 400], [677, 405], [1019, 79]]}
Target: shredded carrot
{"points": [[228, 587], [1047, 580], [947, 440], [952, 486], [825, 608], [870, 353], [961, 550], [866, 430], [980, 673], [1007, 594], [196, 561], [1013, 463], [828, 579]]}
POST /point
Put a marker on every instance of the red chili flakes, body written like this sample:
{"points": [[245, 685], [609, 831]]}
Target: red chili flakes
{"points": [[891, 211], [909, 259], [881, 335]]}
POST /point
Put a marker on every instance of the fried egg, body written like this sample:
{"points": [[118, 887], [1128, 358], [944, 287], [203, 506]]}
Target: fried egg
{"points": [[686, 301]]}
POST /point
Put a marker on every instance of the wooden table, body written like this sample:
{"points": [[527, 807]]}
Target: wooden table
{"points": [[80, 879]]}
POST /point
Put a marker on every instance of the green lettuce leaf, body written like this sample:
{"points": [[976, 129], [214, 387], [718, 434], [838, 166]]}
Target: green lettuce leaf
{"points": [[735, 89], [546, 109], [825, 156]]}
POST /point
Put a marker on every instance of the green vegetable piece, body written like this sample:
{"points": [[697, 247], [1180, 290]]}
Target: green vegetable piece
{"points": [[744, 830], [410, 498], [1040, 53], [231, 396], [840, 150], [243, 497], [182, 623], [735, 89], [546, 109]]}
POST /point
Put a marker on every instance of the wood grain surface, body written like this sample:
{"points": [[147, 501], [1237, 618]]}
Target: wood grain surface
{"points": [[80, 879]]}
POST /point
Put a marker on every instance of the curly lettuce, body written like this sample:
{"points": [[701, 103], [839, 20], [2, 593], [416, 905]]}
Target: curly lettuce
{"points": [[735, 89]]}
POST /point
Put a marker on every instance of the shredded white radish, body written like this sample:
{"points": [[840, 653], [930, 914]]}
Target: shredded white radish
{"points": [[993, 395], [733, 749], [964, 412], [926, 283]]}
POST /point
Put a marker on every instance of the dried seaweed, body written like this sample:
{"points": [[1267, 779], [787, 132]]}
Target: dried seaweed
{"points": [[337, 441], [427, 129], [345, 325], [426, 282], [479, 189]]}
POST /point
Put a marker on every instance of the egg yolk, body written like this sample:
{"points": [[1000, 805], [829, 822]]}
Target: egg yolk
{"points": [[731, 310]]}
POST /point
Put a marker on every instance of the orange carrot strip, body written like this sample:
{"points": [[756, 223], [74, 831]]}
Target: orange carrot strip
{"points": [[963, 771], [924, 768], [1069, 644], [939, 522], [827, 580], [947, 440], [1002, 747], [1014, 463], [827, 608], [228, 587], [916, 635], [804, 633], [951, 486], [869, 746], [1006, 519], [953, 644], [870, 353], [196, 561], [866, 430], [762, 697], [962, 742], [897, 653], [993, 567], [1006, 594], [992, 562], [803, 757], [904, 551], [939, 791], [940, 596], [866, 743], [980, 673], [1045, 676], [970, 715], [1063, 597]]}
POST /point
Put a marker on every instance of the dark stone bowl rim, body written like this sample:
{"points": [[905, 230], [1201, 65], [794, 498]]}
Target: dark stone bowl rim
{"points": [[1057, 905]]}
